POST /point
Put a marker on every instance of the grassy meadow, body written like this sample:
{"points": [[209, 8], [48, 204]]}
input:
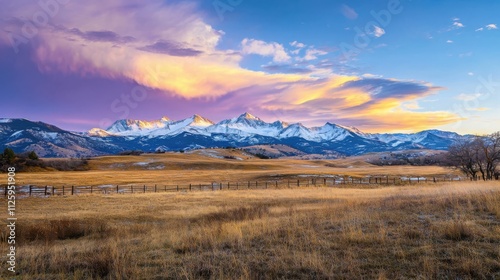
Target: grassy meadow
{"points": [[217, 165], [447, 230]]}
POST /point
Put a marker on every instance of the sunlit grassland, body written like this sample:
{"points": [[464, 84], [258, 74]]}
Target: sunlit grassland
{"points": [[444, 230], [176, 168]]}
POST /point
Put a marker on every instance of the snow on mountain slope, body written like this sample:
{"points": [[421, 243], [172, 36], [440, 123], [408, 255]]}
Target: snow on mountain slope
{"points": [[194, 124], [97, 132], [332, 132], [162, 127], [401, 138], [298, 130], [246, 125], [136, 127]]}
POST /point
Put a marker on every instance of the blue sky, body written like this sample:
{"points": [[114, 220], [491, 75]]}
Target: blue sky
{"points": [[381, 66]]}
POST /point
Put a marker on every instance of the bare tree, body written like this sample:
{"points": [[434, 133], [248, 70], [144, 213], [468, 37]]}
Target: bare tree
{"points": [[478, 155], [492, 154], [462, 156]]}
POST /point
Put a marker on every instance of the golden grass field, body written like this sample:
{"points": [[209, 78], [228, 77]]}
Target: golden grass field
{"points": [[426, 231], [197, 167]]}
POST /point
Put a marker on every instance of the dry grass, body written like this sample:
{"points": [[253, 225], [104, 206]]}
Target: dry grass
{"points": [[447, 231], [171, 168]]}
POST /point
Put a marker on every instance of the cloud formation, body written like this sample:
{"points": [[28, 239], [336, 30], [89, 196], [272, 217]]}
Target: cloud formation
{"points": [[378, 31], [348, 12], [275, 50], [170, 49], [491, 26]]}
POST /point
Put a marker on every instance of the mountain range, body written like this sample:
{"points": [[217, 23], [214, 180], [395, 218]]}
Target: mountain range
{"points": [[198, 132]]}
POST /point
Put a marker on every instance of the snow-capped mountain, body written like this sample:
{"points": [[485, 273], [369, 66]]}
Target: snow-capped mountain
{"points": [[50, 141], [161, 127], [130, 127], [197, 132], [247, 124]]}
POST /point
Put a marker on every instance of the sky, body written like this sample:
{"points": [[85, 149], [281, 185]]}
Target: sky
{"points": [[380, 66]]}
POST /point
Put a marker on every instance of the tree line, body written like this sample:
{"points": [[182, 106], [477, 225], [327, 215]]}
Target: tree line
{"points": [[477, 157], [27, 161]]}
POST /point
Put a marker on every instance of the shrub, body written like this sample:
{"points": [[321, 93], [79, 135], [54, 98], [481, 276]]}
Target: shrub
{"points": [[32, 155], [8, 156]]}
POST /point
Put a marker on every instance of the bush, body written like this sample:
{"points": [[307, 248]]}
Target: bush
{"points": [[262, 156], [27, 160], [131, 153], [8, 156], [32, 155]]}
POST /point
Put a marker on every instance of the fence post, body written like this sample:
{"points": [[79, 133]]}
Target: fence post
{"points": [[30, 190], [220, 186], [132, 188], [189, 187], [144, 190], [117, 190], [72, 190], [276, 184], [228, 185], [5, 191], [177, 187], [53, 190], [91, 190], [45, 193], [266, 184]]}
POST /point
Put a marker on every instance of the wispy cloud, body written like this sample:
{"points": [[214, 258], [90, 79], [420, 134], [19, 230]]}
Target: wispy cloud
{"points": [[348, 12], [275, 50], [173, 49], [449, 41], [312, 54], [378, 31], [491, 26], [298, 46], [468, 97]]}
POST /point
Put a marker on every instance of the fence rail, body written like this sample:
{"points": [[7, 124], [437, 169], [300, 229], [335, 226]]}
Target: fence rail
{"points": [[33, 190]]}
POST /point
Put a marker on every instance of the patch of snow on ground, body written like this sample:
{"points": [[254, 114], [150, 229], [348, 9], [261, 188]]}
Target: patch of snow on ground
{"points": [[210, 153], [310, 166]]}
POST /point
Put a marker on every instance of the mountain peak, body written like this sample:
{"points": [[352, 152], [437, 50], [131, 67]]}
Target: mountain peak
{"points": [[199, 120], [248, 116]]}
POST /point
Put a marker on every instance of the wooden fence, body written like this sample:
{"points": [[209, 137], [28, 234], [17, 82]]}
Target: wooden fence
{"points": [[32, 190]]}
